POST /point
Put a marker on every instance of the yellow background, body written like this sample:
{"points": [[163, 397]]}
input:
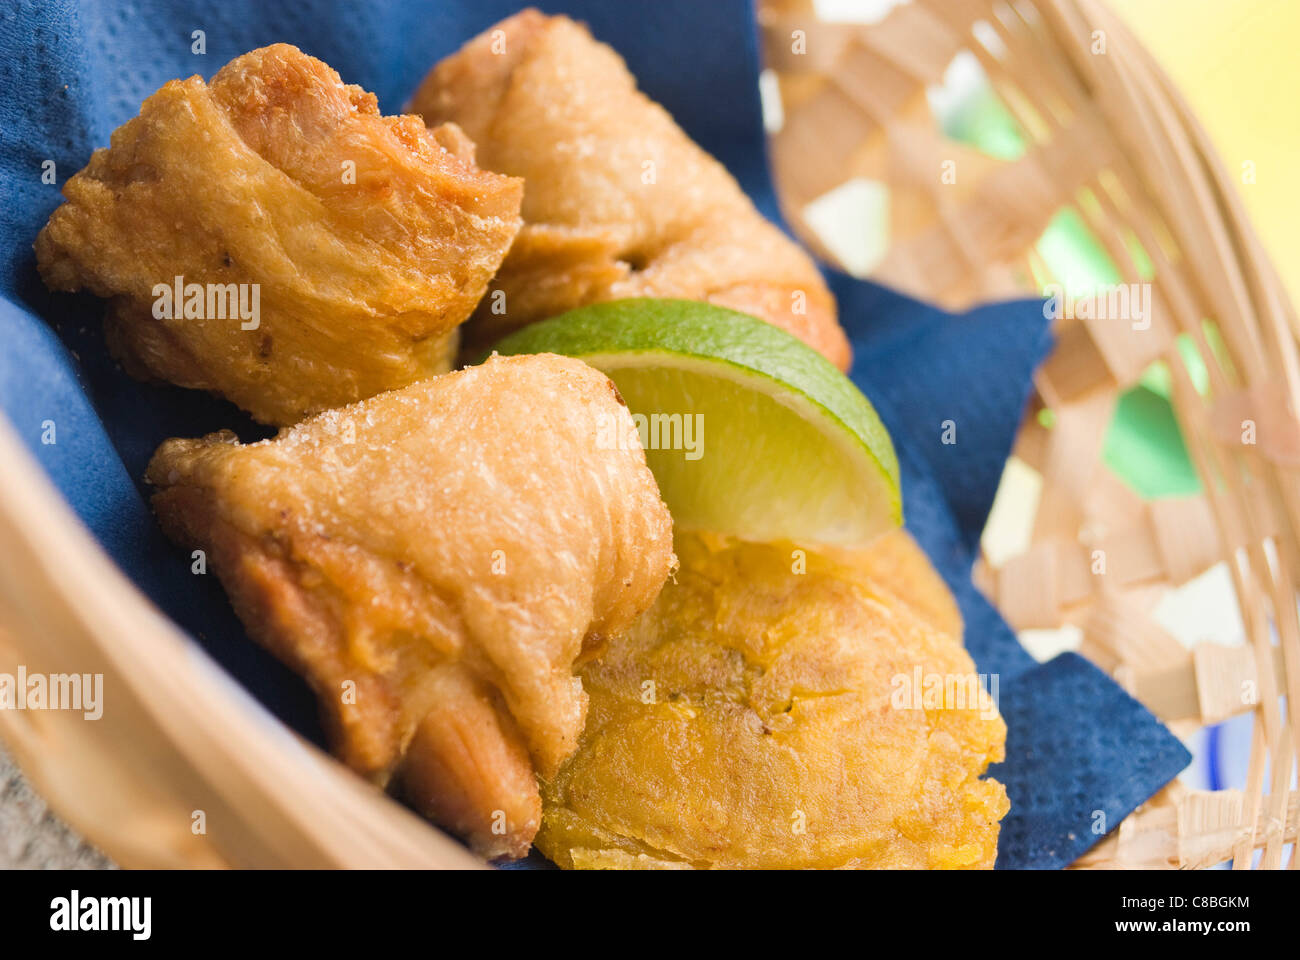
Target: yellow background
{"points": [[1238, 64]]}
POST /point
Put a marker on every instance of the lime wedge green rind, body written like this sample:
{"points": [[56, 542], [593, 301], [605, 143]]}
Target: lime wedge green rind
{"points": [[807, 459]]}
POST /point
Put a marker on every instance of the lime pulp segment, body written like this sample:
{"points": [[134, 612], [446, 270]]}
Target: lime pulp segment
{"points": [[748, 431]]}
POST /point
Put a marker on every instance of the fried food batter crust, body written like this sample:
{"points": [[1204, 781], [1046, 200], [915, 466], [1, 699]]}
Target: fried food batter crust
{"points": [[372, 237], [619, 201], [746, 720], [433, 561]]}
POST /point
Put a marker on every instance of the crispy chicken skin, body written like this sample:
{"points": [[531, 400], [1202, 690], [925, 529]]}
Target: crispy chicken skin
{"points": [[433, 561], [748, 720], [371, 238], [618, 202]]}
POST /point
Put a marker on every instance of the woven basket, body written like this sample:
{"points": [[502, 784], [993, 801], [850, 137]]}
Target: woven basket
{"points": [[1109, 138], [187, 770]]}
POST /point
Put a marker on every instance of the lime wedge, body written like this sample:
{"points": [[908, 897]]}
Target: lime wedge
{"points": [[749, 431]]}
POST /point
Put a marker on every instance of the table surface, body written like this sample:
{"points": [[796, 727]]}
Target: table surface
{"points": [[33, 838]]}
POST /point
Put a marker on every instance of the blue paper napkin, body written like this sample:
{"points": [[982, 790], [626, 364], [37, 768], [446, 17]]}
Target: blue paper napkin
{"points": [[1080, 752]]}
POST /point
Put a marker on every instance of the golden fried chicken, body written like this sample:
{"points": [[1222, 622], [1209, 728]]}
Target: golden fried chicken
{"points": [[895, 563], [619, 202], [433, 561], [761, 714], [324, 252]]}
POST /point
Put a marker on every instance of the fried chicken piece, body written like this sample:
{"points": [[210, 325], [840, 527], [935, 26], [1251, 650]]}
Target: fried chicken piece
{"points": [[369, 239], [895, 563], [433, 561], [749, 719], [619, 201]]}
